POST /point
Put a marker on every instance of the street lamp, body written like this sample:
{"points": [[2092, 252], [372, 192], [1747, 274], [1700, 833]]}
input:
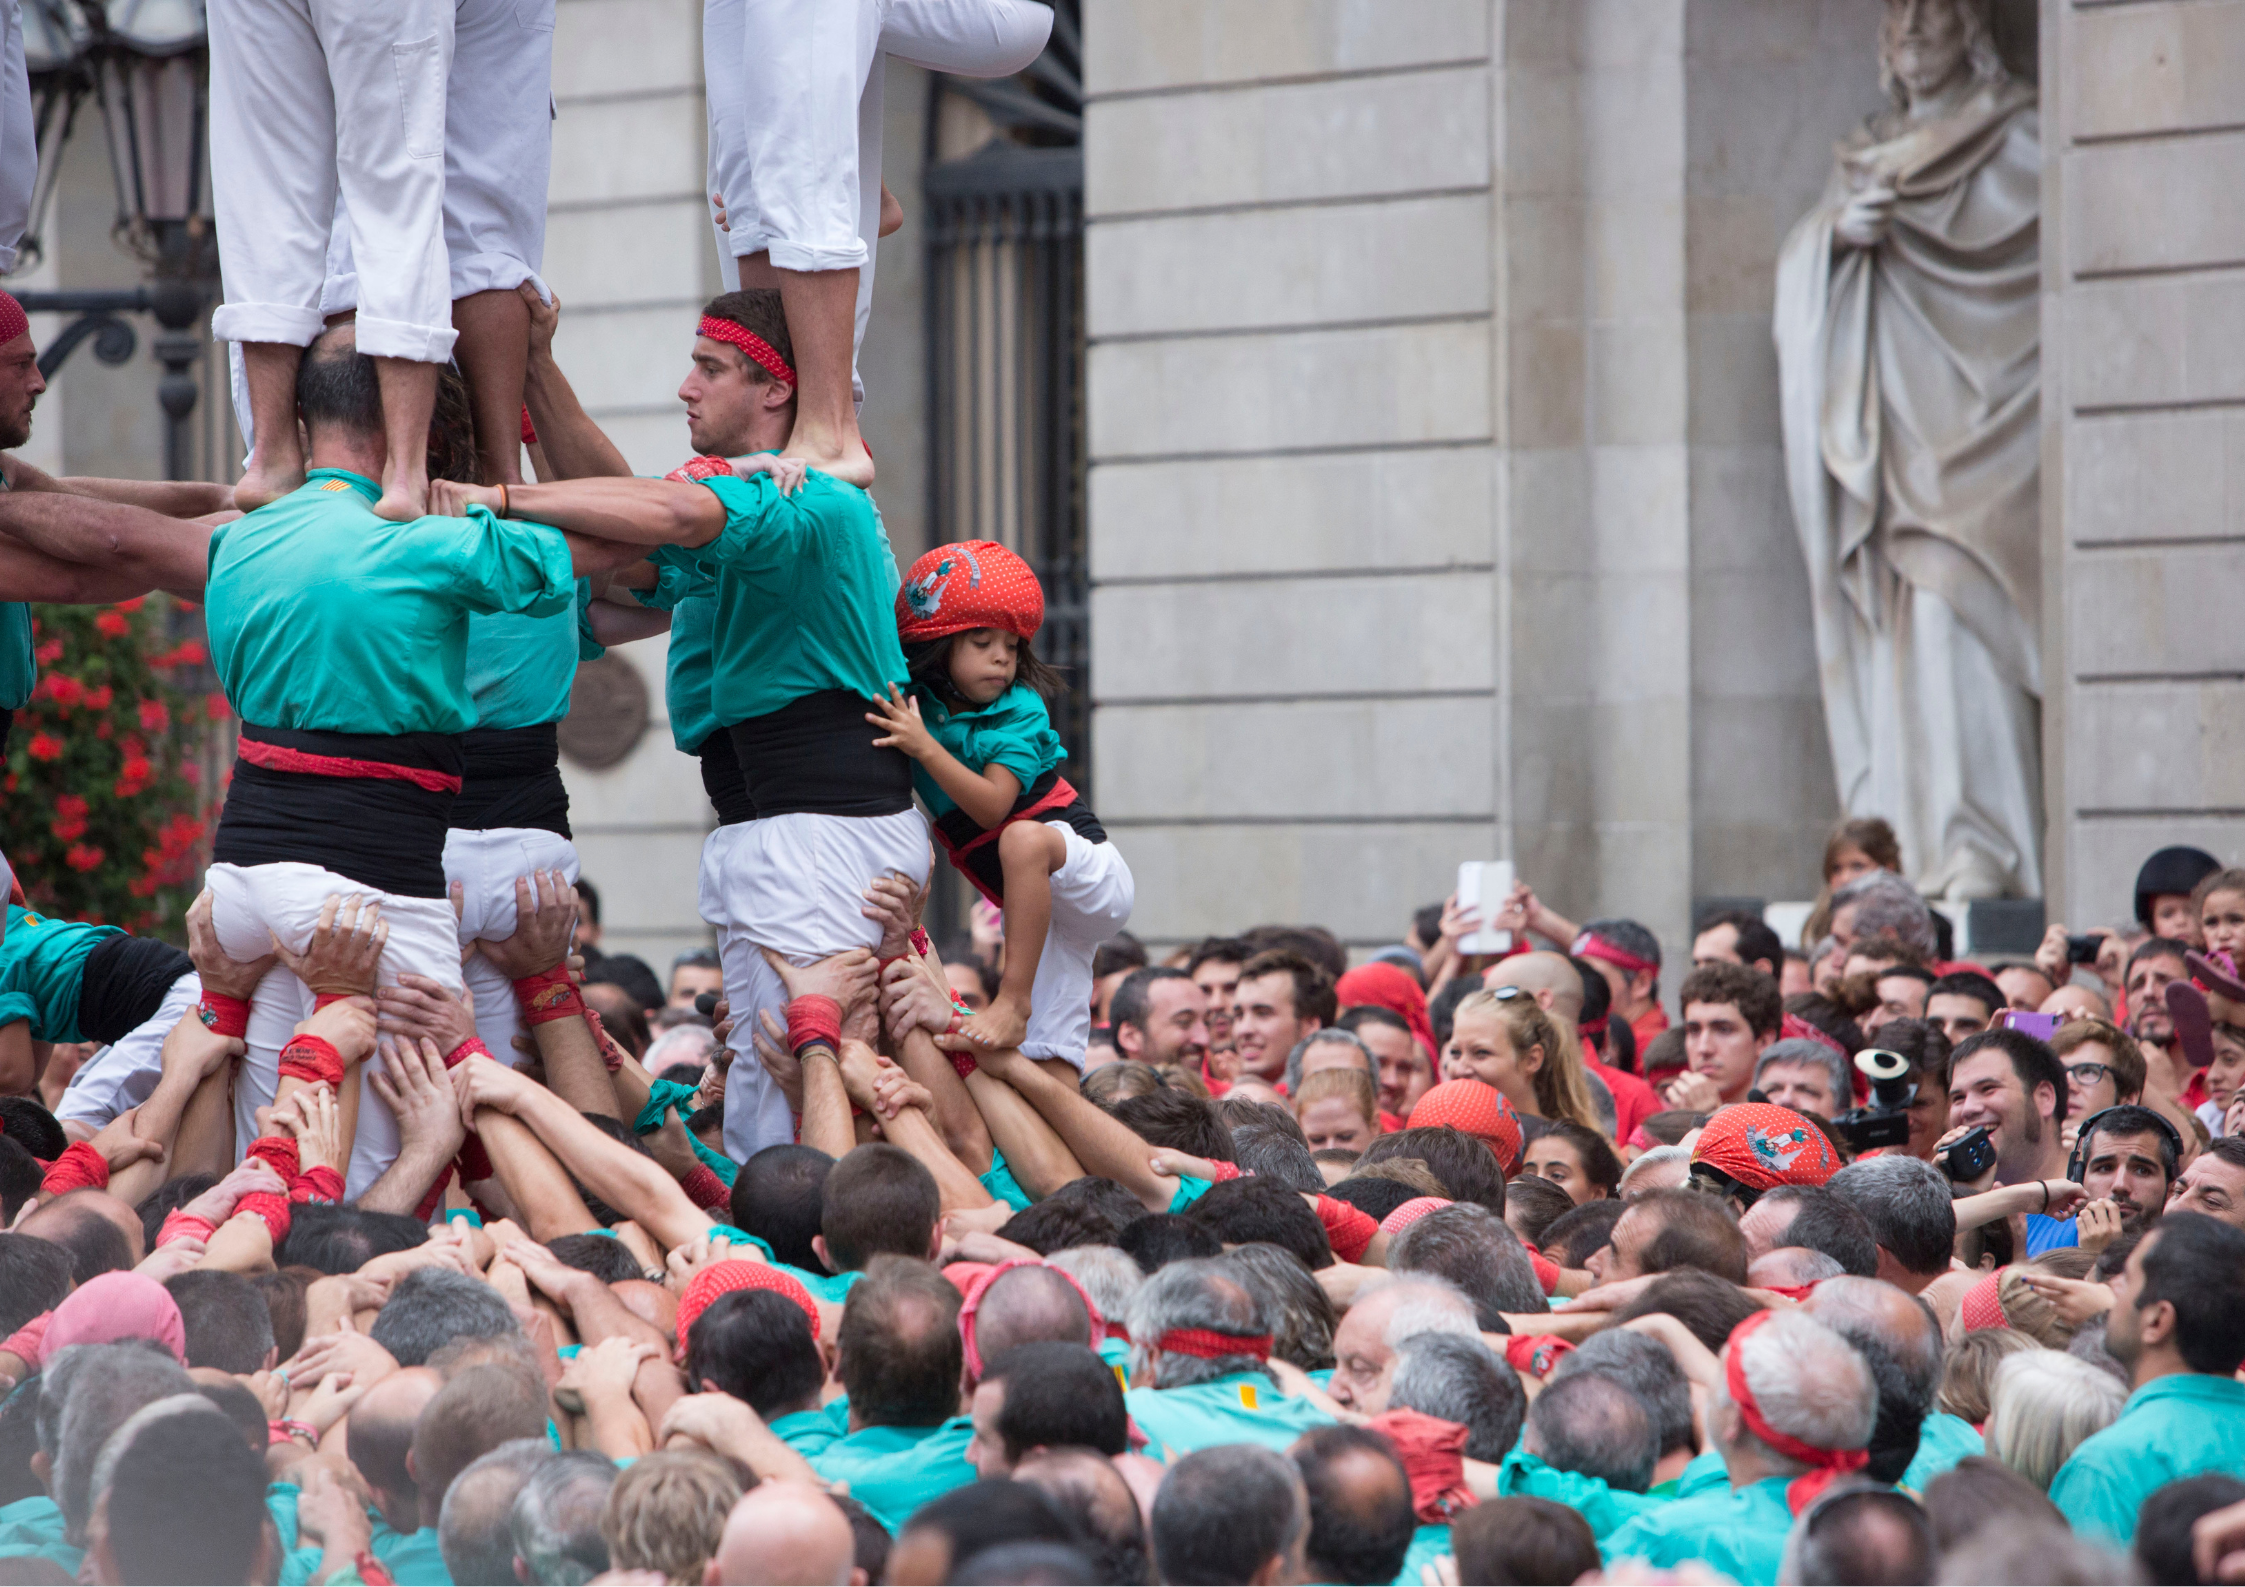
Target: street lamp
{"points": [[146, 65]]}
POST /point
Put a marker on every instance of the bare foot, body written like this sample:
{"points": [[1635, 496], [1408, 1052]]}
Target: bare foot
{"points": [[999, 1027], [266, 482], [848, 462], [404, 497]]}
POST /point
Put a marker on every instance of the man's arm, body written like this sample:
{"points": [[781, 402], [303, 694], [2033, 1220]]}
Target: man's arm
{"points": [[630, 512], [184, 498], [574, 446], [1103, 1144], [126, 550]]}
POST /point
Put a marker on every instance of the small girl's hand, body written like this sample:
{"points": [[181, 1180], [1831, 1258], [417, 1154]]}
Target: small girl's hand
{"points": [[899, 717], [787, 472]]}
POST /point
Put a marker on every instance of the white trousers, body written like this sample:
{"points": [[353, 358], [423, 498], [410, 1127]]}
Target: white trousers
{"points": [[19, 136], [1091, 897], [123, 1075], [315, 100], [486, 864], [250, 904], [794, 95], [498, 155], [794, 884]]}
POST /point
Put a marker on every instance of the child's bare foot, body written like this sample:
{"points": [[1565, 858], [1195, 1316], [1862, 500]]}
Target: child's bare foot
{"points": [[1001, 1026], [268, 480], [405, 496], [846, 458]]}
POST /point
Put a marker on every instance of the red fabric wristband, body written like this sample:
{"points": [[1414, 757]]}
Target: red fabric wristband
{"points": [[813, 1021], [473, 1047], [1350, 1229], [1534, 1354], [180, 1224], [435, 1196], [529, 430], [473, 1163], [548, 995], [321, 1000], [920, 943], [611, 1055], [704, 1189], [371, 1570], [80, 1167], [1219, 1171], [312, 1059], [278, 1153], [273, 1209], [228, 1016], [1547, 1272], [317, 1184], [963, 1062], [28, 1344]]}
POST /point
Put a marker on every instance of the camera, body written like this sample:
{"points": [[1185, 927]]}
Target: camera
{"points": [[1885, 1119], [1968, 1156], [2081, 947]]}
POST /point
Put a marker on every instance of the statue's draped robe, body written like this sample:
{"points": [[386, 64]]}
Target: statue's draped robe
{"points": [[1909, 381]]}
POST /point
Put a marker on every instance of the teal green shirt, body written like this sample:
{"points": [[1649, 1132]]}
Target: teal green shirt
{"points": [[412, 1558], [1705, 1474], [1942, 1442], [812, 1433], [1189, 1190], [2172, 1427], [999, 1181], [892, 1471], [1428, 1544], [833, 1288], [1013, 731], [1237, 1408], [19, 667], [1606, 1509], [520, 668], [43, 971], [35, 1526], [803, 592], [690, 672], [1739, 1533], [323, 616]]}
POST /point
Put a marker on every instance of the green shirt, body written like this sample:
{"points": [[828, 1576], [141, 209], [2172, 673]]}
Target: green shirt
{"points": [[1001, 1184], [892, 1471], [1739, 1533], [1606, 1509], [413, 1558], [1237, 1408], [803, 590], [1428, 1544], [811, 1433], [323, 616], [1942, 1442], [833, 1288], [1013, 731], [1189, 1190], [43, 971], [520, 668], [690, 673], [35, 1526], [2172, 1427], [19, 667]]}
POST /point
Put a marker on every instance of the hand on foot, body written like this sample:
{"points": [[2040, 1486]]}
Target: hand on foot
{"points": [[847, 461]]}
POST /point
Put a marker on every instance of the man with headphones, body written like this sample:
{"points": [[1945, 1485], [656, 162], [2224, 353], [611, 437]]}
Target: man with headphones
{"points": [[2126, 1158]]}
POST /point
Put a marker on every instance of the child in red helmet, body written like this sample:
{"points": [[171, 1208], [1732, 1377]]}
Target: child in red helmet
{"points": [[986, 762]]}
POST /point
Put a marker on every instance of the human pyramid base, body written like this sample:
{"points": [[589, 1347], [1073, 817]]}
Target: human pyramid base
{"points": [[371, 1238]]}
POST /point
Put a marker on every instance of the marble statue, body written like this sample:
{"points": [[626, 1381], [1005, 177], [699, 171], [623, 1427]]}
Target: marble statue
{"points": [[1907, 329]]}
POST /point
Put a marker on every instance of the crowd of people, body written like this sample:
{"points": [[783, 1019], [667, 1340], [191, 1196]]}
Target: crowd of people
{"points": [[393, 1231]]}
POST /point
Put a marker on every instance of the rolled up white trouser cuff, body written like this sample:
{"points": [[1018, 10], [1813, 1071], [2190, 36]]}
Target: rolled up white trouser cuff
{"points": [[423, 344], [794, 884], [123, 1074], [1092, 893], [250, 905], [266, 322], [486, 864]]}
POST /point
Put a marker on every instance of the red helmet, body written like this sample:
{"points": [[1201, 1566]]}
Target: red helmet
{"points": [[972, 584]]}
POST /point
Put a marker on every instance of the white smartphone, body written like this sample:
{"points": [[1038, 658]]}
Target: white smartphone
{"points": [[1484, 885]]}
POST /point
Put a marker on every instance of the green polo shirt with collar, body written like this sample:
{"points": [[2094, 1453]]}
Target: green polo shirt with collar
{"points": [[1738, 1533], [1237, 1408], [2172, 1427], [892, 1471], [1607, 1509]]}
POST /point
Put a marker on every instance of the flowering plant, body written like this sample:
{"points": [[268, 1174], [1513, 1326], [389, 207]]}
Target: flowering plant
{"points": [[103, 774]]}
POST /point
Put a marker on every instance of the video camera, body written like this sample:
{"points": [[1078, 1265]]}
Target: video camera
{"points": [[1885, 1119]]}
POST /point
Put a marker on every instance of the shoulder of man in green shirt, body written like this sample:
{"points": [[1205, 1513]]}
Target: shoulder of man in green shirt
{"points": [[1739, 1533], [2173, 1427], [892, 1471], [1238, 1408], [1942, 1442], [43, 971], [1605, 1508]]}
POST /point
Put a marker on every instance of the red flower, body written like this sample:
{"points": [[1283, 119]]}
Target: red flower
{"points": [[70, 818], [191, 774], [187, 653], [215, 704], [49, 653], [98, 699], [133, 605], [154, 717], [102, 730], [63, 689], [45, 746], [83, 857], [113, 625]]}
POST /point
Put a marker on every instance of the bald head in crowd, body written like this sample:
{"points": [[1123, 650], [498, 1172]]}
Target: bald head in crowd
{"points": [[379, 1438], [785, 1534], [1550, 978], [1027, 1305], [477, 1411]]}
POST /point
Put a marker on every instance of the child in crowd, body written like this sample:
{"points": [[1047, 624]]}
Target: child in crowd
{"points": [[1338, 1109], [987, 765], [2219, 901]]}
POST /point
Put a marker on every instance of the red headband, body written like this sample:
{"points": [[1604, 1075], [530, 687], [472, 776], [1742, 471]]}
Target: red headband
{"points": [[980, 1288], [750, 343], [1209, 1345], [1825, 1465], [1590, 945]]}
